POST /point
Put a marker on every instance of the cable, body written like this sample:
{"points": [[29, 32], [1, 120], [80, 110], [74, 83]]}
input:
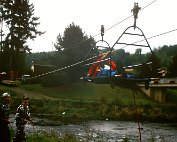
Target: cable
{"points": [[127, 18], [59, 69], [75, 45], [115, 25], [149, 38], [82, 61], [162, 33], [148, 5]]}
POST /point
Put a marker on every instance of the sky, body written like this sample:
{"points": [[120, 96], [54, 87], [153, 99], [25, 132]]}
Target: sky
{"points": [[56, 15]]}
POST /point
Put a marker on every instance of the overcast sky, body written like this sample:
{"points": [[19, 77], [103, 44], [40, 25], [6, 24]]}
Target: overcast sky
{"points": [[56, 15]]}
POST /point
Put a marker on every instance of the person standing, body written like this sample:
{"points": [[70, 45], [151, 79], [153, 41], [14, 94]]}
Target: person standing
{"points": [[21, 118], [4, 118]]}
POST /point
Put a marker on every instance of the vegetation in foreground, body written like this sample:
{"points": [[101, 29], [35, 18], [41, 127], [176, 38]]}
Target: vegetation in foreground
{"points": [[76, 103], [52, 137], [93, 102]]}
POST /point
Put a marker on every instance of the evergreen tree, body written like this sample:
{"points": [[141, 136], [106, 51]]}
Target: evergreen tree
{"points": [[155, 64], [72, 48], [173, 66], [22, 25], [74, 43]]}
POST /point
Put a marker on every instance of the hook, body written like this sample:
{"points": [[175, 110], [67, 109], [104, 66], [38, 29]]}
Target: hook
{"points": [[102, 31], [135, 11]]}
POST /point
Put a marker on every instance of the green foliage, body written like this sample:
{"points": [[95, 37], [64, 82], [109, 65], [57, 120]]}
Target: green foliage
{"points": [[161, 57], [98, 102], [167, 55], [59, 78], [73, 104], [18, 17], [173, 66], [155, 64], [72, 48], [52, 137], [171, 95], [74, 43]]}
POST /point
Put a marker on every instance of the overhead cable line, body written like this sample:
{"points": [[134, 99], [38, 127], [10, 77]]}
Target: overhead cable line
{"points": [[105, 30], [149, 38], [115, 24], [75, 45], [148, 5], [66, 67], [126, 18], [162, 33], [82, 61], [94, 36]]}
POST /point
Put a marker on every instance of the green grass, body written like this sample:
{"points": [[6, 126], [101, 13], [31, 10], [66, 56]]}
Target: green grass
{"points": [[92, 102], [90, 92], [50, 137]]}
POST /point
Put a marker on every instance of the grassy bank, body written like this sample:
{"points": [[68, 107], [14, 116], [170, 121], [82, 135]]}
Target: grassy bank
{"points": [[90, 92], [76, 102]]}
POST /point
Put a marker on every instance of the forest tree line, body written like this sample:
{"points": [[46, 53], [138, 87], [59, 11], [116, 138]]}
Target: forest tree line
{"points": [[166, 54]]}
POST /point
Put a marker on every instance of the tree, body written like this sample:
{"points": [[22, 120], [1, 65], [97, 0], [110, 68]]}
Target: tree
{"points": [[73, 47], [173, 66], [155, 64], [74, 42], [22, 25], [138, 53]]}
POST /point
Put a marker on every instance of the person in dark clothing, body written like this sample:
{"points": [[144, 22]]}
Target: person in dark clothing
{"points": [[21, 118], [4, 118]]}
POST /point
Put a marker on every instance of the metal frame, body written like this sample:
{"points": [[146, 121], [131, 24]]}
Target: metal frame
{"points": [[133, 44]]}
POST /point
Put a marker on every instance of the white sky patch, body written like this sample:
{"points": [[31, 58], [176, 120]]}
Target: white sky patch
{"points": [[56, 15]]}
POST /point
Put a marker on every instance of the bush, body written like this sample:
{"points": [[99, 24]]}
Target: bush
{"points": [[172, 95], [51, 137], [55, 79]]}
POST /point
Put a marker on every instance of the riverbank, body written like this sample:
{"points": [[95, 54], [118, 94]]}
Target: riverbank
{"points": [[61, 105], [56, 109]]}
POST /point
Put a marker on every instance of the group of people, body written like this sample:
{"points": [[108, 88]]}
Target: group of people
{"points": [[22, 116]]}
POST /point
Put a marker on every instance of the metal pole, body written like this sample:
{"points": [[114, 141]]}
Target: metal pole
{"points": [[1, 39], [136, 113]]}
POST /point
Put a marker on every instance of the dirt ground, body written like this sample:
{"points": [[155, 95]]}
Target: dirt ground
{"points": [[32, 95]]}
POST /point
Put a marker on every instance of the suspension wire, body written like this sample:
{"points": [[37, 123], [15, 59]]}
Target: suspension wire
{"points": [[125, 18], [75, 45], [69, 66], [163, 33], [148, 5], [149, 38], [82, 61]]}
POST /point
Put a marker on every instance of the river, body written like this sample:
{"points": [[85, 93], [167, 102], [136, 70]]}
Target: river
{"points": [[112, 131]]}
